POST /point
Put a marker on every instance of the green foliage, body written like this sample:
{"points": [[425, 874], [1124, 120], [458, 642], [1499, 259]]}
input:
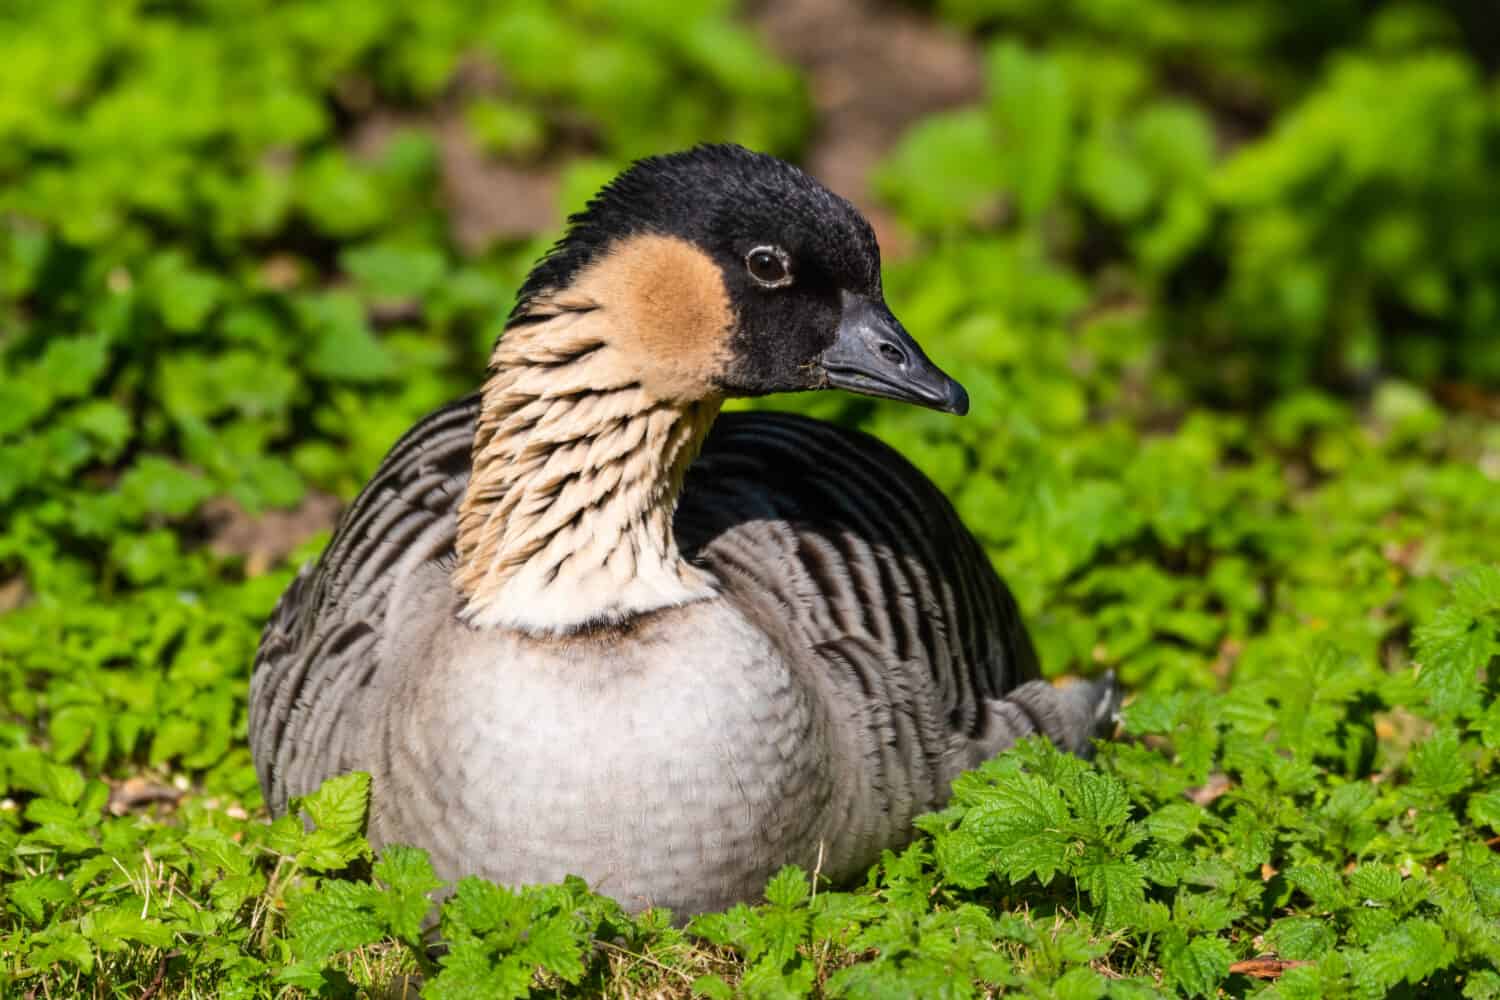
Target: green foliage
{"points": [[1218, 281], [1331, 246]]}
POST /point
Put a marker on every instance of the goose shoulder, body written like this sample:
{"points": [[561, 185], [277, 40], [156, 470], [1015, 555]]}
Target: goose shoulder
{"points": [[831, 534]]}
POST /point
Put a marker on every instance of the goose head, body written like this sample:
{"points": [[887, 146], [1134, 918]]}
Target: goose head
{"points": [[690, 278], [725, 272]]}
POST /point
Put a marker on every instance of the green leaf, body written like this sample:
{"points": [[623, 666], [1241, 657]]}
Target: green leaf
{"points": [[33, 896], [185, 296], [1321, 884], [1197, 965], [554, 943], [154, 485], [1484, 808], [340, 804], [1412, 951], [788, 888], [391, 272], [408, 877], [1031, 104], [1489, 726], [776, 935], [1101, 805], [1301, 938], [478, 907], [1438, 766], [1080, 984], [468, 972], [343, 347], [1019, 826], [338, 810], [115, 928], [712, 987], [69, 946], [70, 366], [338, 916], [944, 171], [1116, 887], [1175, 822], [1376, 882]]}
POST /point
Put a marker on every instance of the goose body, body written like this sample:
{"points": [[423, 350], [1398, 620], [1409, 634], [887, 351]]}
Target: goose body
{"points": [[580, 624]]}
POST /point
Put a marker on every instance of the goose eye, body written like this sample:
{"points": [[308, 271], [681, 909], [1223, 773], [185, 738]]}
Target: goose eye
{"points": [[768, 265]]}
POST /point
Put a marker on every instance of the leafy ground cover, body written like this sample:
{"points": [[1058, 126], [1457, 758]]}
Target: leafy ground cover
{"points": [[1222, 288]]}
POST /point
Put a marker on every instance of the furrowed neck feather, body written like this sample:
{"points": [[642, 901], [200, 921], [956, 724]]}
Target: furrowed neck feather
{"points": [[567, 518]]}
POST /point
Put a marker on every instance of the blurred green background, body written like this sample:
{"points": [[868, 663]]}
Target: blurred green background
{"points": [[1223, 281]]}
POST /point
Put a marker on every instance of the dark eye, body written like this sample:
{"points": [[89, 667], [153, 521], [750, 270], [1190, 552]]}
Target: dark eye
{"points": [[768, 265]]}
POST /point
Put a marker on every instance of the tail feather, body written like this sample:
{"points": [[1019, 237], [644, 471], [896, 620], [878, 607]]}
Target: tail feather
{"points": [[1072, 716]]}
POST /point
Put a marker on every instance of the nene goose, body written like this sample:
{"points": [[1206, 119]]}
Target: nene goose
{"points": [[575, 624]]}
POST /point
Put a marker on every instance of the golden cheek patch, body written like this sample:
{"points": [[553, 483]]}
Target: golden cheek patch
{"points": [[668, 312]]}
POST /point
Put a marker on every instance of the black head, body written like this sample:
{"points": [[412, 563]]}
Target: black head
{"points": [[796, 267]]}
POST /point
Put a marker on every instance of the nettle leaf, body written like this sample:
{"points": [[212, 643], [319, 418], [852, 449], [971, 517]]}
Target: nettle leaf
{"points": [[1439, 766], [338, 810], [116, 928], [1477, 591], [776, 934], [1376, 882], [1484, 808], [337, 916], [1460, 640], [408, 876], [1196, 965], [1412, 951], [1116, 886], [1032, 105], [478, 907], [1205, 911], [499, 938], [67, 945], [1321, 884], [557, 944], [788, 888], [340, 804], [1080, 984], [468, 971], [214, 849], [712, 987], [1165, 865], [728, 928], [965, 860], [1175, 822], [1020, 827], [1483, 985], [1489, 726], [1101, 805], [390, 272], [766, 980], [1301, 938], [837, 916], [33, 896], [154, 485]]}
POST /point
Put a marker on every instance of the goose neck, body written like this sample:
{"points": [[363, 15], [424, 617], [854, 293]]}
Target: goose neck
{"points": [[566, 522]]}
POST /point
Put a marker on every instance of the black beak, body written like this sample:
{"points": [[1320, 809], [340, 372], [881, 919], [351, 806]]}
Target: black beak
{"points": [[875, 356]]}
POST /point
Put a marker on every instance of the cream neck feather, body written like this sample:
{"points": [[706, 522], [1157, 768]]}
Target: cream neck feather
{"points": [[567, 519]]}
